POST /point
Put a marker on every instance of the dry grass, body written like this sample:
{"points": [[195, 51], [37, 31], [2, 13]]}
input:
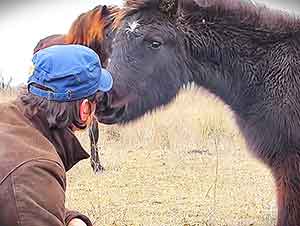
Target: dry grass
{"points": [[186, 165], [7, 95]]}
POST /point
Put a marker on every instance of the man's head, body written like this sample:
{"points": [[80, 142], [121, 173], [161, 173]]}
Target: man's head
{"points": [[65, 84]]}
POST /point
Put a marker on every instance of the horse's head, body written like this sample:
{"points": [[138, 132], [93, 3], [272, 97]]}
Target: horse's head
{"points": [[161, 45], [148, 62]]}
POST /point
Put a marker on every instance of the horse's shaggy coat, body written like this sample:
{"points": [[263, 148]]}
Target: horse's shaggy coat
{"points": [[245, 53]]}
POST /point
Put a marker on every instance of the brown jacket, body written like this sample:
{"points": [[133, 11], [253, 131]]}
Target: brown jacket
{"points": [[33, 165]]}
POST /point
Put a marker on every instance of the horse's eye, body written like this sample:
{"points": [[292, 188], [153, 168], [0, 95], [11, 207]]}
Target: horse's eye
{"points": [[155, 45]]}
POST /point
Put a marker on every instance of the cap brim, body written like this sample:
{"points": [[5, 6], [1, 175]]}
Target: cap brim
{"points": [[106, 81]]}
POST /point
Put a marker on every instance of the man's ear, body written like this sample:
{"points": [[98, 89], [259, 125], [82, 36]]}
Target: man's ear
{"points": [[85, 110]]}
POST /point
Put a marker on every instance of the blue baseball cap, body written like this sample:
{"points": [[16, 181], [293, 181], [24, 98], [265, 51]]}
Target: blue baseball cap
{"points": [[68, 72]]}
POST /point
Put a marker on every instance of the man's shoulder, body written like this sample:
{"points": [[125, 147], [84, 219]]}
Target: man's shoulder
{"points": [[20, 142], [34, 192], [15, 154]]}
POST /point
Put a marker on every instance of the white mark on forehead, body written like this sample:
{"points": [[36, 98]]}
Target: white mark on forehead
{"points": [[132, 27]]}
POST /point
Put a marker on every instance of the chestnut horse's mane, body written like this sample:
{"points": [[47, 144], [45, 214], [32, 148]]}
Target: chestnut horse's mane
{"points": [[243, 11], [90, 26], [88, 29]]}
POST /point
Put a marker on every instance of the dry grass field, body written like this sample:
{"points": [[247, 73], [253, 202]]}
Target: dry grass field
{"points": [[185, 165]]}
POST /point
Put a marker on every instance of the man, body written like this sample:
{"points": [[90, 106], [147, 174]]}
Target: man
{"points": [[37, 144]]}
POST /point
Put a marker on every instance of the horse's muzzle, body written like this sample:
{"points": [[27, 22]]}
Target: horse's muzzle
{"points": [[107, 113]]}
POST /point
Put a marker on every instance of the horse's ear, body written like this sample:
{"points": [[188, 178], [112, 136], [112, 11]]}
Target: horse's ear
{"points": [[189, 5], [135, 5], [104, 11], [168, 7]]}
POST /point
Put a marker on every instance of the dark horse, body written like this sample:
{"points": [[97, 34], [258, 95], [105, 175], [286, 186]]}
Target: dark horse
{"points": [[92, 29], [244, 53]]}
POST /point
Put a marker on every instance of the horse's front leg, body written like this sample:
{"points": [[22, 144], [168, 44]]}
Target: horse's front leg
{"points": [[287, 179], [94, 137]]}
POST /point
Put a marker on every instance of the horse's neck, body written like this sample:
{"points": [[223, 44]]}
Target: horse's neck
{"points": [[228, 86], [230, 63], [230, 72]]}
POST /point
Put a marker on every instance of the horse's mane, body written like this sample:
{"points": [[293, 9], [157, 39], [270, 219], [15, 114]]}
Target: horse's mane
{"points": [[90, 26], [240, 11], [88, 29], [256, 14]]}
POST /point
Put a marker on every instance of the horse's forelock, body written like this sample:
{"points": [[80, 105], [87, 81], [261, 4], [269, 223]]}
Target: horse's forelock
{"points": [[167, 7]]}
